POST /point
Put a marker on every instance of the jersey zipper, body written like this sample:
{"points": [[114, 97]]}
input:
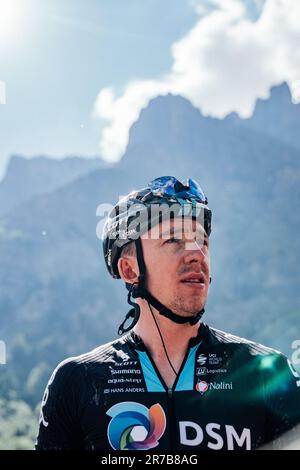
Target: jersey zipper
{"points": [[170, 394], [171, 410]]}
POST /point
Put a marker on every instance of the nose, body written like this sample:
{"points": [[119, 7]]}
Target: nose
{"points": [[195, 252]]}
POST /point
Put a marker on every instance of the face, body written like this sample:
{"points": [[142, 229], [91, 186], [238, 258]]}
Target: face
{"points": [[178, 265]]}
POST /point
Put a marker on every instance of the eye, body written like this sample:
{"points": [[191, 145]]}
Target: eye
{"points": [[173, 240]]}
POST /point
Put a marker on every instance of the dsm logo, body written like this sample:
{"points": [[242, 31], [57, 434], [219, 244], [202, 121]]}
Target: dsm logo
{"points": [[134, 426]]}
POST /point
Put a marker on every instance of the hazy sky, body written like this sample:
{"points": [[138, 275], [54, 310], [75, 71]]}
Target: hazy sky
{"points": [[78, 72]]}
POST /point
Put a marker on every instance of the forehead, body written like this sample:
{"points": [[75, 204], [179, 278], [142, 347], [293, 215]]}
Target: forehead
{"points": [[185, 226]]}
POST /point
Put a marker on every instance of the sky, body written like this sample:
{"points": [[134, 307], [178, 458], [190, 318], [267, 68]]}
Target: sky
{"points": [[75, 74]]}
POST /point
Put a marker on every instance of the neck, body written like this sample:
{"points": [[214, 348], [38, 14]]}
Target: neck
{"points": [[176, 336]]}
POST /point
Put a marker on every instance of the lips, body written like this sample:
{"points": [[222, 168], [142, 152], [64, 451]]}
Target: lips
{"points": [[193, 278]]}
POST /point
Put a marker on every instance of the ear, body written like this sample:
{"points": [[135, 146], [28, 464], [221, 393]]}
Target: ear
{"points": [[128, 269]]}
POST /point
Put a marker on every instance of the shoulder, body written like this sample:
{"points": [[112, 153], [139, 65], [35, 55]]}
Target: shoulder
{"points": [[75, 367], [243, 345], [267, 363]]}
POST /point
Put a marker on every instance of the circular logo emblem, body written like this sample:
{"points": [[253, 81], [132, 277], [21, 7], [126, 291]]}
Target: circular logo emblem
{"points": [[202, 386], [134, 426]]}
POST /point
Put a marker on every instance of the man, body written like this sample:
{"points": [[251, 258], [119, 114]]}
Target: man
{"points": [[171, 382]]}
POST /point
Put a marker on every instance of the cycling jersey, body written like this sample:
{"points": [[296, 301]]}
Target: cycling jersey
{"points": [[230, 393]]}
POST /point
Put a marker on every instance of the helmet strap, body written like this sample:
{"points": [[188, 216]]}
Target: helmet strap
{"points": [[133, 312]]}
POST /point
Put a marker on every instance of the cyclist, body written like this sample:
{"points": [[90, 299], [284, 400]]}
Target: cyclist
{"points": [[171, 381]]}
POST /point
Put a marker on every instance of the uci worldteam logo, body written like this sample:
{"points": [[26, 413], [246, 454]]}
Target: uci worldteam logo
{"points": [[134, 426]]}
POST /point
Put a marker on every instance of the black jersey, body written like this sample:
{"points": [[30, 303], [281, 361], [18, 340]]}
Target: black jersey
{"points": [[229, 394]]}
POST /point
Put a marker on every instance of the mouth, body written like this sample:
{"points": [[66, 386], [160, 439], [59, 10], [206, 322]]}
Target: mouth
{"points": [[194, 280]]}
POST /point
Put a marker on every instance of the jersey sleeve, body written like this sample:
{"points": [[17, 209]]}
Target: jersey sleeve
{"points": [[282, 395], [59, 427]]}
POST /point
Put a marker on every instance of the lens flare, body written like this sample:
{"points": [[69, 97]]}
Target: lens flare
{"points": [[10, 16]]}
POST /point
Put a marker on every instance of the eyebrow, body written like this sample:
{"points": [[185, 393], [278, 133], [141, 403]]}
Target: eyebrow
{"points": [[174, 231]]}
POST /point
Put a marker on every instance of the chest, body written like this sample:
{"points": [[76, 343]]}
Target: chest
{"points": [[166, 371], [136, 406]]}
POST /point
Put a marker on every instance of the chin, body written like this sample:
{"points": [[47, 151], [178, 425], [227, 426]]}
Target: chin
{"points": [[195, 308], [189, 310], [185, 308]]}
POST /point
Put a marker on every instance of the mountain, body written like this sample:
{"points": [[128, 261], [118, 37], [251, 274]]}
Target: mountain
{"points": [[29, 177], [276, 116], [55, 294]]}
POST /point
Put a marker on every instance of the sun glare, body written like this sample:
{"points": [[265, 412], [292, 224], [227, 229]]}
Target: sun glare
{"points": [[10, 14]]}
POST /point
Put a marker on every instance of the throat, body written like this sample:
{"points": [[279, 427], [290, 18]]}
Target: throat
{"points": [[168, 377], [164, 368]]}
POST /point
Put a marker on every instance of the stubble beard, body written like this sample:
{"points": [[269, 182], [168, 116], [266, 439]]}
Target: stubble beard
{"points": [[187, 307]]}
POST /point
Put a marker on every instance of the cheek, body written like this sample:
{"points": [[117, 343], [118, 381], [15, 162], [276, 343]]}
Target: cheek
{"points": [[161, 271]]}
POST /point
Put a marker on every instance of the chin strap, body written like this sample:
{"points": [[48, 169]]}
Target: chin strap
{"points": [[166, 312], [139, 290]]}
